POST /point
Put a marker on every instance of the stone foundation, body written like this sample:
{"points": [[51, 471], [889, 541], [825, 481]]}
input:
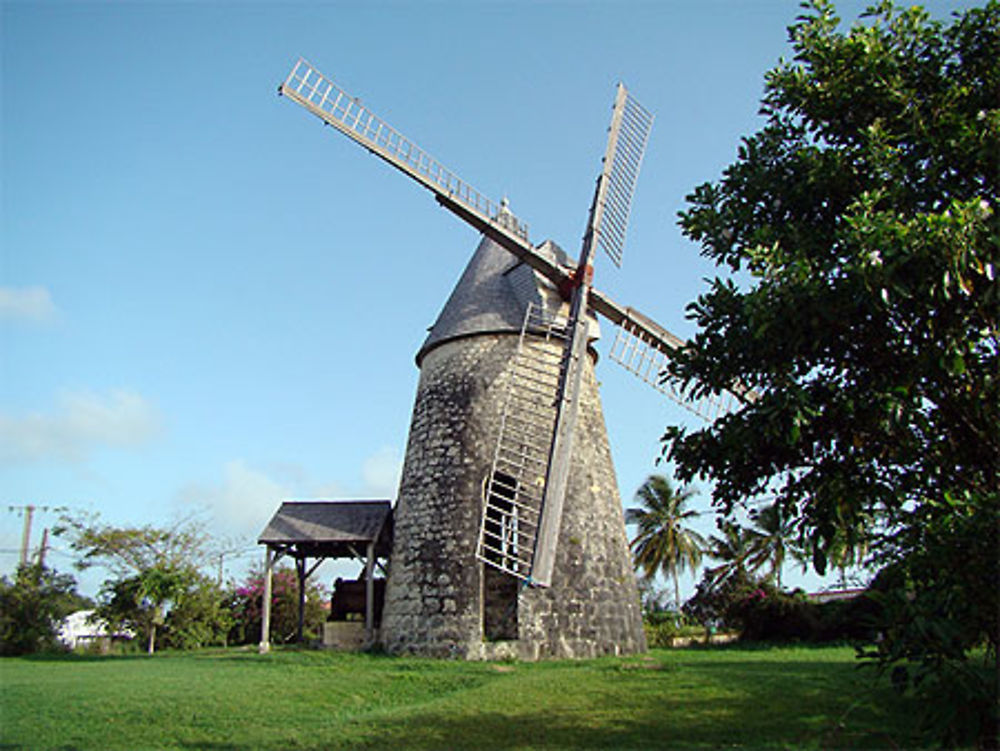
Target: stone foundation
{"points": [[344, 635]]}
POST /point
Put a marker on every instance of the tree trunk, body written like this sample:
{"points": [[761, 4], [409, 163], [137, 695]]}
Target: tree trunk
{"points": [[152, 638]]}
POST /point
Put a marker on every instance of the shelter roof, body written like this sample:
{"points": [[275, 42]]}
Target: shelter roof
{"points": [[334, 529]]}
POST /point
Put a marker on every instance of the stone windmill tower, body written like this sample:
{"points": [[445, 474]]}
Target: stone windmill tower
{"points": [[440, 599], [509, 533]]}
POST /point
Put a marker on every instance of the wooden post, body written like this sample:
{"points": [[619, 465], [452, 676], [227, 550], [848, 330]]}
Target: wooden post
{"points": [[300, 567], [265, 626], [370, 592]]}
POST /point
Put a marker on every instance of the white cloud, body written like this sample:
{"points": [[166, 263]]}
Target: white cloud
{"points": [[82, 422], [26, 304], [380, 473], [245, 498], [330, 490], [242, 503]]}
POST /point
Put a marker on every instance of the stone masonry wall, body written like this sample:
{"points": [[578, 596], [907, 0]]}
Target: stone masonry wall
{"points": [[434, 595]]}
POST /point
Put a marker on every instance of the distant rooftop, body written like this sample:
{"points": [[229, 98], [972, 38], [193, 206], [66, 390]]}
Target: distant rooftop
{"points": [[831, 595]]}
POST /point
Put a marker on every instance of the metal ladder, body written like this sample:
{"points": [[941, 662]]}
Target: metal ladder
{"points": [[513, 489]]}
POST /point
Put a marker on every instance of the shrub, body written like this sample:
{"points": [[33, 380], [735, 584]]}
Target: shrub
{"points": [[199, 618], [661, 626], [245, 606], [762, 612], [33, 606], [772, 615]]}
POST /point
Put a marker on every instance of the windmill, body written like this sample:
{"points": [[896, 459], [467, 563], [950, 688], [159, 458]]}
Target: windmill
{"points": [[523, 489]]}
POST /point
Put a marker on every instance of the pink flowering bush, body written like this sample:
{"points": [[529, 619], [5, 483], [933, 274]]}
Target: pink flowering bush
{"points": [[245, 603]]}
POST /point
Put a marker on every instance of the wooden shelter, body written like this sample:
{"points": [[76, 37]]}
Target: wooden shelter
{"points": [[318, 530]]}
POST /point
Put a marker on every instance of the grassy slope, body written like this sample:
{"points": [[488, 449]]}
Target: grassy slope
{"points": [[683, 699]]}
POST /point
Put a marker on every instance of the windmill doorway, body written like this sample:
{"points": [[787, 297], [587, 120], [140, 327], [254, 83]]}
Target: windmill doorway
{"points": [[500, 589]]}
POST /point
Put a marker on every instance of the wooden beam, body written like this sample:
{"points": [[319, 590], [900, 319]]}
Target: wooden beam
{"points": [[370, 592], [319, 562]]}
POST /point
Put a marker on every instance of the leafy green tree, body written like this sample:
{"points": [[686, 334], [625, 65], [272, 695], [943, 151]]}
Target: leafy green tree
{"points": [[155, 572], [717, 598], [849, 548], [663, 543], [180, 609], [863, 221], [199, 618], [126, 551], [140, 603], [32, 608]]}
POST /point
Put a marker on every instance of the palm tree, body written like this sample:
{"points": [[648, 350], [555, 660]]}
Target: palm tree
{"points": [[736, 548], [663, 543], [772, 539], [849, 547]]}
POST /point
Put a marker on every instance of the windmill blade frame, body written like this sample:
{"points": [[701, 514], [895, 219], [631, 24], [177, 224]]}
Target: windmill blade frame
{"points": [[321, 96], [644, 348], [628, 136], [513, 489]]}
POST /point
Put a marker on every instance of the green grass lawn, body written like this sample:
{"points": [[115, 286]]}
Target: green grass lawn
{"points": [[675, 699]]}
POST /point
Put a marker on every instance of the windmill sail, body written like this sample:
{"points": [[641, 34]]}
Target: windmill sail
{"points": [[626, 146], [644, 355], [643, 348], [627, 137], [322, 97]]}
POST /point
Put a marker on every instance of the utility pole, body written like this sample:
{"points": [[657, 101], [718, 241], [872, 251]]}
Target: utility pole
{"points": [[43, 547], [29, 511], [223, 554]]}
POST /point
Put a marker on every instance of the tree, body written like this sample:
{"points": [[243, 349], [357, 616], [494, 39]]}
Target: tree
{"points": [[774, 538], [848, 549], [128, 550], [199, 617], [736, 549], [716, 600], [154, 568], [33, 606], [141, 602], [863, 221], [663, 543]]}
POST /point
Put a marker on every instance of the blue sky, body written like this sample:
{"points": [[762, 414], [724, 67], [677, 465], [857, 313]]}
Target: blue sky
{"points": [[209, 302]]}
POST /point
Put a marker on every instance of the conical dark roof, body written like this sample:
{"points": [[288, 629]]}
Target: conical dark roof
{"points": [[491, 296]]}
